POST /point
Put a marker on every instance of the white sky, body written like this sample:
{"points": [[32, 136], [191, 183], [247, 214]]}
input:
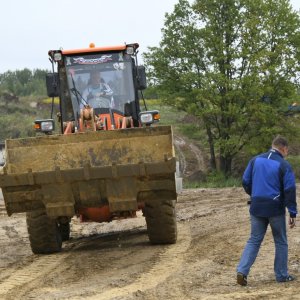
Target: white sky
{"points": [[29, 28]]}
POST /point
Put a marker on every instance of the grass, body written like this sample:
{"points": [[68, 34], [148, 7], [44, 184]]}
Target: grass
{"points": [[180, 120], [49, 100], [214, 180], [168, 115]]}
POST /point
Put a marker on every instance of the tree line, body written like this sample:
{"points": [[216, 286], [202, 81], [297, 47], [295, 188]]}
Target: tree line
{"points": [[20, 92], [24, 82], [234, 64]]}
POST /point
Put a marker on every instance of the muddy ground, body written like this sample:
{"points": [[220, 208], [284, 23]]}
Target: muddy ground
{"points": [[116, 261]]}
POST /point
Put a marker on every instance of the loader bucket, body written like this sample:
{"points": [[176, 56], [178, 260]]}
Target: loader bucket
{"points": [[65, 173]]}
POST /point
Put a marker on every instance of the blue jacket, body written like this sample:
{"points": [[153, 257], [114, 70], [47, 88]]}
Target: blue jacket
{"points": [[270, 182]]}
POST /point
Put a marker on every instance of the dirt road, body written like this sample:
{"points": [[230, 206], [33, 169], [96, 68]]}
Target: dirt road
{"points": [[116, 261]]}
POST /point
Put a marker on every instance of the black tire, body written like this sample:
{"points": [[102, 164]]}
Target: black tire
{"points": [[44, 234], [161, 221], [64, 229]]}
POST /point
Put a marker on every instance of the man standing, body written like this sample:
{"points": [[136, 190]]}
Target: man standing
{"points": [[270, 182]]}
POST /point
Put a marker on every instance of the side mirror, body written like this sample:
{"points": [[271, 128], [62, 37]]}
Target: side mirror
{"points": [[141, 78], [52, 83]]}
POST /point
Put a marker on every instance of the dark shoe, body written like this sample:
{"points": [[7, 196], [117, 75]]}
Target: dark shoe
{"points": [[241, 279], [288, 279]]}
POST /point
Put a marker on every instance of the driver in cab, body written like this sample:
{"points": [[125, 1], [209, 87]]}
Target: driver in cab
{"points": [[98, 94]]}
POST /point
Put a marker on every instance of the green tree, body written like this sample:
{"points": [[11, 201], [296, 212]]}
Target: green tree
{"points": [[24, 82], [231, 63]]}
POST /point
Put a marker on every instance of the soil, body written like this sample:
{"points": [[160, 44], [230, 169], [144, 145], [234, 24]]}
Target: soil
{"points": [[116, 261], [192, 160]]}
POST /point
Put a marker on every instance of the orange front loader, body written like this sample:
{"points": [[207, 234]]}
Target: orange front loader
{"points": [[109, 161]]}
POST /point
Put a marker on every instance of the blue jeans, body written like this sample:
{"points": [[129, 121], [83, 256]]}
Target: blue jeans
{"points": [[259, 227]]}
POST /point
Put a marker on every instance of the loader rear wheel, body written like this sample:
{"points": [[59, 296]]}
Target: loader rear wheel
{"points": [[161, 221], [44, 234]]}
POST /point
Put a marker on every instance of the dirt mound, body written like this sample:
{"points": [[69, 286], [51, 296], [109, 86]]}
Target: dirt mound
{"points": [[192, 159]]}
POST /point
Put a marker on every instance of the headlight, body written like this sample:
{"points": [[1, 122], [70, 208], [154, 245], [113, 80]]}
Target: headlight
{"points": [[146, 118], [130, 50], [149, 117], [46, 126], [57, 56]]}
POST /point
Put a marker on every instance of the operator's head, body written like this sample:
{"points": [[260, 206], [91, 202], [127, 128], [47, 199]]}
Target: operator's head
{"points": [[281, 144], [95, 78]]}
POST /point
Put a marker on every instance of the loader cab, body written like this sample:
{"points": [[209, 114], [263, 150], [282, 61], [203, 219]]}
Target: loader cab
{"points": [[119, 80]]}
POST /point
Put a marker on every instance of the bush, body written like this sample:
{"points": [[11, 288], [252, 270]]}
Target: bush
{"points": [[295, 163]]}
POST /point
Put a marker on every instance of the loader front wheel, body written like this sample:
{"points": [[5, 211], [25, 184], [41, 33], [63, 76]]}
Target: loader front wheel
{"points": [[44, 234], [161, 221]]}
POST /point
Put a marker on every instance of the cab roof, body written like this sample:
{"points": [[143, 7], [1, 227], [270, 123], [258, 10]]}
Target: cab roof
{"points": [[92, 48]]}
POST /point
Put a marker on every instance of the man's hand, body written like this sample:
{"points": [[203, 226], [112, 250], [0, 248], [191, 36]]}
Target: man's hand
{"points": [[292, 222]]}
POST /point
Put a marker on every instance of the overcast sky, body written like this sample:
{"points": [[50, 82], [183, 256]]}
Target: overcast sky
{"points": [[30, 28]]}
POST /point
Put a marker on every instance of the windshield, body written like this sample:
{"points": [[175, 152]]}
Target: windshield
{"points": [[100, 80]]}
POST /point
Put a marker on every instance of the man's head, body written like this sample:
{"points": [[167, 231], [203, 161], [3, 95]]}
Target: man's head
{"points": [[281, 144], [95, 78]]}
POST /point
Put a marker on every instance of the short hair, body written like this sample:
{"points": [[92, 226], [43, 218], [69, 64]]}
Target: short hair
{"points": [[280, 142]]}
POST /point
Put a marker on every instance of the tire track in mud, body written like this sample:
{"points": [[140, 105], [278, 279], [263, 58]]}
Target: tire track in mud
{"points": [[18, 284], [168, 262], [27, 278], [23, 279], [2, 208], [39, 267]]}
